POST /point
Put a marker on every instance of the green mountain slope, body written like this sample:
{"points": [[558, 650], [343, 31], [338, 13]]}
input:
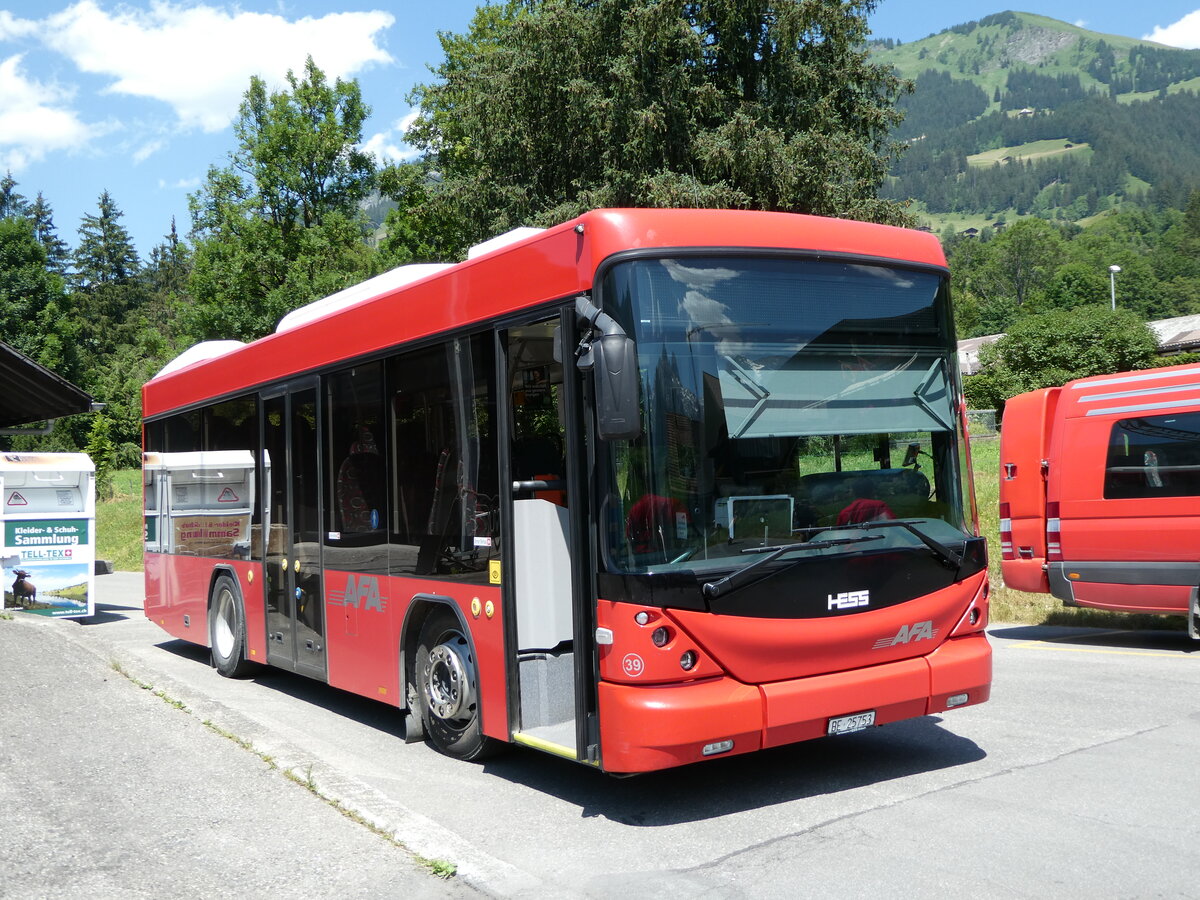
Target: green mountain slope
{"points": [[987, 88]]}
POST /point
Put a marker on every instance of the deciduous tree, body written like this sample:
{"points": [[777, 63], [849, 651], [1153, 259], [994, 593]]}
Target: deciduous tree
{"points": [[545, 108], [1055, 347], [280, 225]]}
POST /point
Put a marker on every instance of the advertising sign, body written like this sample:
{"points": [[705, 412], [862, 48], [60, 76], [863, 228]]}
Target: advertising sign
{"points": [[48, 554]]}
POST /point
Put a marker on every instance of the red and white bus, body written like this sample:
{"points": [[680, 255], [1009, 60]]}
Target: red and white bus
{"points": [[643, 489]]}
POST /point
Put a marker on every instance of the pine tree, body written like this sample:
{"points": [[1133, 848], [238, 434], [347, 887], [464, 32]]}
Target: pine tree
{"points": [[105, 255], [57, 253], [12, 204]]}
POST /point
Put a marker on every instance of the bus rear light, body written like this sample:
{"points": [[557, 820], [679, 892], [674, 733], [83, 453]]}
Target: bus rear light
{"points": [[975, 615], [661, 636], [1006, 535], [642, 618], [688, 660], [957, 700], [717, 747], [1053, 533]]}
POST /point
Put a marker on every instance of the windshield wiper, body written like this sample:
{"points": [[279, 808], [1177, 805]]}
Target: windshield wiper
{"points": [[735, 579], [947, 556]]}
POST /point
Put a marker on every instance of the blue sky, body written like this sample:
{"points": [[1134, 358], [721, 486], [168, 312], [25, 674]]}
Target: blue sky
{"points": [[136, 97]]}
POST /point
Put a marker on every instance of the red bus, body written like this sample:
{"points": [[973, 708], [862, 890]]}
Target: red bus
{"points": [[1100, 492], [646, 488]]}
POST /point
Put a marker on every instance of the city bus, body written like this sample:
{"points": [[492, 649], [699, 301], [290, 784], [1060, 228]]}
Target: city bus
{"points": [[644, 489]]}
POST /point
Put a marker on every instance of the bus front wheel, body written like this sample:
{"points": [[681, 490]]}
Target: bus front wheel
{"points": [[227, 629], [448, 689]]}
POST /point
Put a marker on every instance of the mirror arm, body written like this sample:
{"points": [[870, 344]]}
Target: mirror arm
{"points": [[597, 320]]}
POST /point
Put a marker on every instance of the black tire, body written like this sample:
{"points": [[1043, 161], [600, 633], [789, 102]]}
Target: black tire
{"points": [[447, 687], [227, 629]]}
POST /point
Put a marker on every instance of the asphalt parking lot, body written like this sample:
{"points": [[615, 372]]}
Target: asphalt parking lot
{"points": [[1078, 778]]}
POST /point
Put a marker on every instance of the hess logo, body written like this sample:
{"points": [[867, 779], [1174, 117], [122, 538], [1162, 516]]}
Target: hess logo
{"points": [[849, 600]]}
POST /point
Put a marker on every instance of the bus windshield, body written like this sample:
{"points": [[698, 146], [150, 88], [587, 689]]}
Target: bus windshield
{"points": [[791, 408]]}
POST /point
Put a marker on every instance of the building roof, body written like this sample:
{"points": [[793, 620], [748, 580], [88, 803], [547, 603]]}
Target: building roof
{"points": [[1179, 333], [30, 392]]}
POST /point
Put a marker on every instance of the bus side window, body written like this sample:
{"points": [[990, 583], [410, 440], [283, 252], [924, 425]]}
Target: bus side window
{"points": [[356, 435], [1153, 456], [444, 486]]}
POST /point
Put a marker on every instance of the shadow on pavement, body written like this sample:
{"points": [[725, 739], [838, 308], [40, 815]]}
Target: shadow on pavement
{"points": [[721, 787], [373, 714], [107, 613], [1162, 641]]}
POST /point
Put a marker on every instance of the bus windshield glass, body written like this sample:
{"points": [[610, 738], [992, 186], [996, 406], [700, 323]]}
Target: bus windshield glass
{"points": [[790, 407]]}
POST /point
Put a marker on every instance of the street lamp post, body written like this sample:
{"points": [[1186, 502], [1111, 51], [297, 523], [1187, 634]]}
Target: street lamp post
{"points": [[1112, 284]]}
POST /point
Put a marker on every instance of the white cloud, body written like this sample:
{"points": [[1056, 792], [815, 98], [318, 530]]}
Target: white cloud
{"points": [[199, 59], [148, 149], [183, 184], [36, 118], [1184, 33], [11, 27], [388, 146]]}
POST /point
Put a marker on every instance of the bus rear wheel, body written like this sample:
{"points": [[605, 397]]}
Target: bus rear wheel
{"points": [[227, 629], [447, 682]]}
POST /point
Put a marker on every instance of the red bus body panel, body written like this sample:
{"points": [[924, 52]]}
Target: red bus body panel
{"points": [[651, 727], [1129, 554], [177, 589], [1024, 444], [764, 683]]}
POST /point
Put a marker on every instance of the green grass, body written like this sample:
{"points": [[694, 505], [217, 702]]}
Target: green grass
{"points": [[119, 539], [119, 523], [1034, 150]]}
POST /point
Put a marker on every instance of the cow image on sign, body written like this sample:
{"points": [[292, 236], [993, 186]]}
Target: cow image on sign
{"points": [[24, 591]]}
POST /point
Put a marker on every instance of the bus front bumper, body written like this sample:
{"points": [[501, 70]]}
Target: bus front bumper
{"points": [[645, 728]]}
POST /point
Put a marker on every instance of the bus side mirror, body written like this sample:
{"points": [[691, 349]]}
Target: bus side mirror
{"points": [[618, 394]]}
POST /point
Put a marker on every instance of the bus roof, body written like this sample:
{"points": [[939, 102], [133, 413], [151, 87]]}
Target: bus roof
{"points": [[1142, 391], [542, 267]]}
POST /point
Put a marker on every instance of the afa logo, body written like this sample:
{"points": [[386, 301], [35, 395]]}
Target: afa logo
{"points": [[918, 631], [362, 592]]}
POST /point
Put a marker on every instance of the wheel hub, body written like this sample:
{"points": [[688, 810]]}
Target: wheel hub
{"points": [[223, 631], [448, 688]]}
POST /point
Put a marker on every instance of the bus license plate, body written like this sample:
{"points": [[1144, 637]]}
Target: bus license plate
{"points": [[847, 724]]}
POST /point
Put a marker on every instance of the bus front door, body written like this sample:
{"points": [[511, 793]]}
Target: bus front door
{"points": [[549, 708], [292, 517]]}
